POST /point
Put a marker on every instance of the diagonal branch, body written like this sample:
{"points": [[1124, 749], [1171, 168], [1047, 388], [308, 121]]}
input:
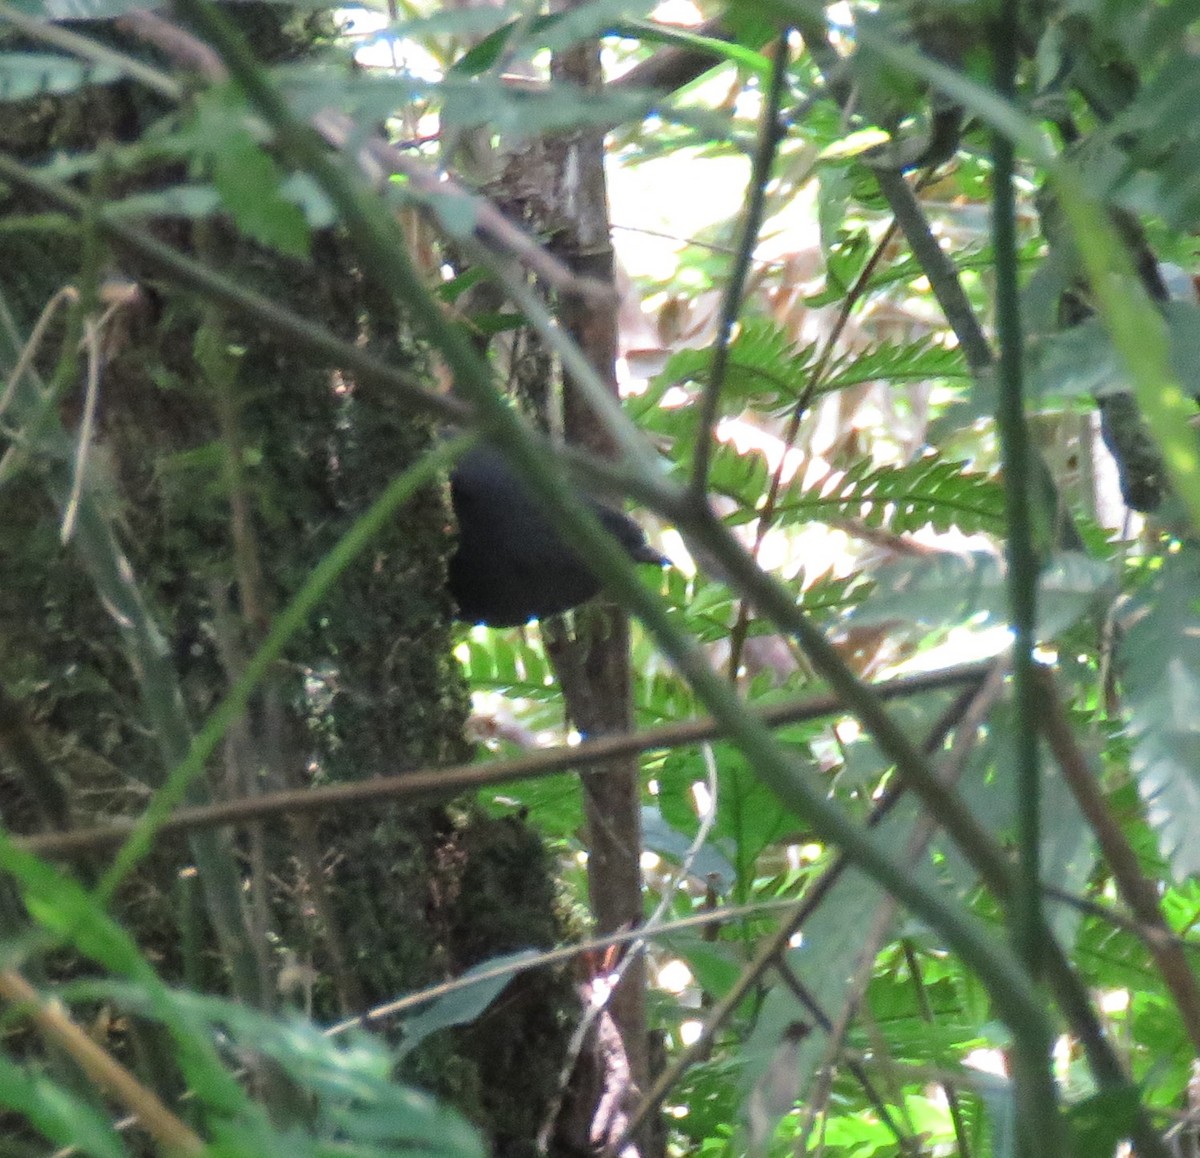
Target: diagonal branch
{"points": [[1139, 893], [770, 134]]}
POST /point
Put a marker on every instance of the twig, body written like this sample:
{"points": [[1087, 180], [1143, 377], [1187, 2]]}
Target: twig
{"points": [[965, 738], [1138, 892], [653, 927], [306, 333], [176, 43], [83, 437], [101, 1068], [439, 783], [770, 134], [770, 949], [938, 268], [1117, 918], [1025, 917]]}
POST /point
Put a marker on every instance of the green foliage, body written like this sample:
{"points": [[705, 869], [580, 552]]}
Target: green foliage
{"points": [[949, 590], [246, 177], [60, 1116], [765, 368], [1161, 668], [849, 537], [749, 821], [925, 492], [515, 667], [768, 372], [356, 1105], [31, 74]]}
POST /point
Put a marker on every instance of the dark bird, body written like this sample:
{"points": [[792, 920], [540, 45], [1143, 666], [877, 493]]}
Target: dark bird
{"points": [[511, 565]]}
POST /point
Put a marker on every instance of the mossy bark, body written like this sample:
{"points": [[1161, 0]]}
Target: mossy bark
{"points": [[231, 464]]}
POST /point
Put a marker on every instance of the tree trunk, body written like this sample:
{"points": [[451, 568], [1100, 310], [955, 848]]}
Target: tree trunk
{"points": [[228, 465]]}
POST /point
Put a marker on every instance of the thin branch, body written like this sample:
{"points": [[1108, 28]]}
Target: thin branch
{"points": [[101, 1068], [378, 159], [770, 134], [766, 514], [89, 49], [593, 946], [175, 43], [306, 333], [1025, 917], [969, 707], [1139, 893], [938, 268], [1118, 919], [286, 623], [440, 783]]}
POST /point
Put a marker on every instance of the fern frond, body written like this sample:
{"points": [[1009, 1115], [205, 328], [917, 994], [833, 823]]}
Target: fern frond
{"points": [[929, 491]]}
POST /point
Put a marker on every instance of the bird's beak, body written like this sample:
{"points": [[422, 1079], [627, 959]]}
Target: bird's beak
{"points": [[647, 554]]}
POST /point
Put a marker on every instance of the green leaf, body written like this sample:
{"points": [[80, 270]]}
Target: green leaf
{"points": [[492, 47], [30, 74], [463, 1006], [250, 185], [949, 590], [247, 178], [721, 50], [587, 21], [765, 366], [63, 1117], [928, 491], [708, 863], [1160, 659], [1099, 1123], [915, 361], [499, 661]]}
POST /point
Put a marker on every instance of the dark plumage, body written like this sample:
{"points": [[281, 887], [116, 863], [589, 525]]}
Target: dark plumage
{"points": [[511, 565]]}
